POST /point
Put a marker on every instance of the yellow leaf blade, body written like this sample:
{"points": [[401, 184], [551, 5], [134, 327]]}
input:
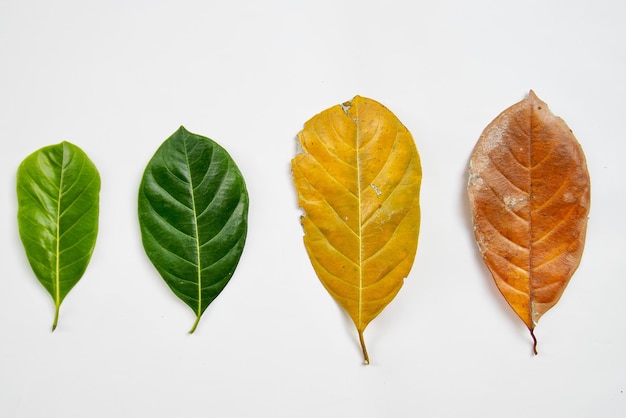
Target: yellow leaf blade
{"points": [[358, 181]]}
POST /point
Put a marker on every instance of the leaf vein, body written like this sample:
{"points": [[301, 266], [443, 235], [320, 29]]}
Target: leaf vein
{"points": [[329, 175], [563, 219], [164, 221], [77, 198], [407, 171]]}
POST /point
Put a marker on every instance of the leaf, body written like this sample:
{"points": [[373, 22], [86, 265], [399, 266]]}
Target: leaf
{"points": [[529, 195], [358, 181], [193, 214], [58, 191]]}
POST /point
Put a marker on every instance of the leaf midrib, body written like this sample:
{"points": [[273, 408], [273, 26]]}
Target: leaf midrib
{"points": [[57, 272], [531, 293], [196, 238], [360, 234]]}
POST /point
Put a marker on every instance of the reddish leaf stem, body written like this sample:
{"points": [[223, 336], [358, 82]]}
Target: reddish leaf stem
{"points": [[532, 334]]}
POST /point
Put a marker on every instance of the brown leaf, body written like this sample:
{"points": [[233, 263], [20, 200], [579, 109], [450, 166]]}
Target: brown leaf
{"points": [[529, 195]]}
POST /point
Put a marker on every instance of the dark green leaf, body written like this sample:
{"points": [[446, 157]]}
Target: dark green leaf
{"points": [[193, 213], [58, 191]]}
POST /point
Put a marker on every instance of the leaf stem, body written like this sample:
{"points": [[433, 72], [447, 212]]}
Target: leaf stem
{"points": [[56, 317], [366, 358], [195, 324], [532, 334]]}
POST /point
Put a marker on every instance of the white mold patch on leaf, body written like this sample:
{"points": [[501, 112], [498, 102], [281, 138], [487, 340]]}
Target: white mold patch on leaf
{"points": [[376, 189]]}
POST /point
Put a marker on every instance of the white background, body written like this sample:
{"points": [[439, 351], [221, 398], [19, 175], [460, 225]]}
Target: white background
{"points": [[118, 77]]}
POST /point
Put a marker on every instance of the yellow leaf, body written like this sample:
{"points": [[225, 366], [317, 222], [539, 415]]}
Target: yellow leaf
{"points": [[358, 180]]}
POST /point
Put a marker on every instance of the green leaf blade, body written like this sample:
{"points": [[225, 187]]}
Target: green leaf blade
{"points": [[58, 190], [193, 209]]}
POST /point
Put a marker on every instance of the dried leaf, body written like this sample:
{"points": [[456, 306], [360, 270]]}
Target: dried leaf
{"points": [[529, 194], [358, 181]]}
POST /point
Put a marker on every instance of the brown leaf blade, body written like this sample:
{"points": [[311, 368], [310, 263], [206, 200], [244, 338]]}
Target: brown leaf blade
{"points": [[529, 193], [358, 179]]}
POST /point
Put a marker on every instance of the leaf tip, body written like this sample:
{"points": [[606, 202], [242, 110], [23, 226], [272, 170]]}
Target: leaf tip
{"points": [[535, 101], [346, 106]]}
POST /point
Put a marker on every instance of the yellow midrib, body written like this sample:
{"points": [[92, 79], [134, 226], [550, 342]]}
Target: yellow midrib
{"points": [[360, 235]]}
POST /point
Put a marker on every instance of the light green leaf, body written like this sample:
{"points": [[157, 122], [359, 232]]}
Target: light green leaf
{"points": [[193, 214], [58, 191]]}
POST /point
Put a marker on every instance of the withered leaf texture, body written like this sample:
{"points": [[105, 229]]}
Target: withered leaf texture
{"points": [[529, 195], [358, 181]]}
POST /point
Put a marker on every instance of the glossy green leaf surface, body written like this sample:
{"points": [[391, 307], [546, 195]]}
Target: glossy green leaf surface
{"points": [[58, 190], [193, 214]]}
